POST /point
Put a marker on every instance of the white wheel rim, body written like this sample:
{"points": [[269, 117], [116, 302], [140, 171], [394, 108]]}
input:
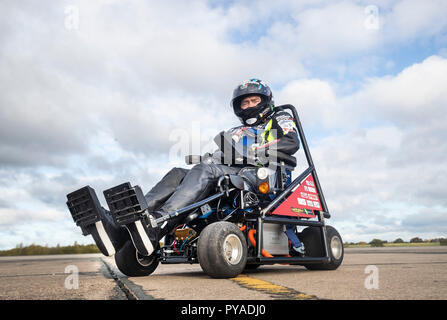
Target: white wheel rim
{"points": [[144, 261], [336, 247], [232, 248]]}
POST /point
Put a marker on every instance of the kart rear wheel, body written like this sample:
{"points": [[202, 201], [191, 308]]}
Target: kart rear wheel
{"points": [[313, 243], [132, 264], [222, 250]]}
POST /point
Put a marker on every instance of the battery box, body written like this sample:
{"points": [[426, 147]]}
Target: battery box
{"points": [[274, 239]]}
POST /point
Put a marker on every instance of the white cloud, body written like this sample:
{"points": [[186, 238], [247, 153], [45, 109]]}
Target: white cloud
{"points": [[334, 30], [415, 96], [96, 105], [413, 19], [316, 101], [400, 161]]}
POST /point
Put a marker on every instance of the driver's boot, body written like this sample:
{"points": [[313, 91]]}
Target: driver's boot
{"points": [[94, 220], [144, 236]]}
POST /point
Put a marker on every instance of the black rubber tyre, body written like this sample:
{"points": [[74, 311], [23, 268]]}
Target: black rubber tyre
{"points": [[312, 239], [222, 250], [132, 264]]}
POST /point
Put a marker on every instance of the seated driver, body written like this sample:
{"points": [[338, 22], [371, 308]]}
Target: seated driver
{"points": [[253, 104]]}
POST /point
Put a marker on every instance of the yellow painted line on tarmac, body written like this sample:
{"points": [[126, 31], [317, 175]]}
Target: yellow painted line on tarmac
{"points": [[277, 291]]}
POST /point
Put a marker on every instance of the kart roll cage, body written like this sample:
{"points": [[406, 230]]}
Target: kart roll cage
{"points": [[321, 215]]}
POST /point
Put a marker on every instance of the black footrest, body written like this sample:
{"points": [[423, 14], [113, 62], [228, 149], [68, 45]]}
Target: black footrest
{"points": [[84, 206], [126, 203]]}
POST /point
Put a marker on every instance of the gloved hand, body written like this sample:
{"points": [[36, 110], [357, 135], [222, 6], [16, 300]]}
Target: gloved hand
{"points": [[207, 158], [257, 156], [216, 157]]}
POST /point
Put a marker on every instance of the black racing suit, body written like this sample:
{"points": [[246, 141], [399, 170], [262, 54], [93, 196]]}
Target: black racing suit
{"points": [[181, 187]]}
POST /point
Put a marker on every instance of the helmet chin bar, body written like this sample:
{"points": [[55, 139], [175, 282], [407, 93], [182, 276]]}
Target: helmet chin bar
{"points": [[251, 121], [253, 116]]}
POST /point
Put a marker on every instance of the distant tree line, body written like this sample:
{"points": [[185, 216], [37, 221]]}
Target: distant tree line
{"points": [[381, 243], [34, 249]]}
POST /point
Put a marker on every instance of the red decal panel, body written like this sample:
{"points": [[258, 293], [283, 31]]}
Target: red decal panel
{"points": [[302, 201]]}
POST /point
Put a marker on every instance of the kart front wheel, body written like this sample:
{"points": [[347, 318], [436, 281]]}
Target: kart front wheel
{"points": [[222, 250], [132, 264]]}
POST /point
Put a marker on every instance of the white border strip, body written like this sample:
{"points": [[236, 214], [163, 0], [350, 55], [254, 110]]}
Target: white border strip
{"points": [[105, 238], [143, 235]]}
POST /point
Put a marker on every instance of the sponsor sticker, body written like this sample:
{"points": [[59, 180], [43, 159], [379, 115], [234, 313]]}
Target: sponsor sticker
{"points": [[297, 210], [303, 211], [313, 197], [287, 126]]}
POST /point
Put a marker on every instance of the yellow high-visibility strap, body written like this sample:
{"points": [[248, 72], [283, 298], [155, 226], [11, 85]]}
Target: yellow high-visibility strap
{"points": [[270, 136]]}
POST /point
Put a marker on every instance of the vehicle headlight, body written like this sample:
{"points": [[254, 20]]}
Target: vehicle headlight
{"points": [[262, 173]]}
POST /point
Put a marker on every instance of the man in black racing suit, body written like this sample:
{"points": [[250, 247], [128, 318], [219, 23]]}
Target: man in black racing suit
{"points": [[263, 129]]}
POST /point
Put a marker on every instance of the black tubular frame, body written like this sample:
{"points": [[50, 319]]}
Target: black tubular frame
{"points": [[263, 218]]}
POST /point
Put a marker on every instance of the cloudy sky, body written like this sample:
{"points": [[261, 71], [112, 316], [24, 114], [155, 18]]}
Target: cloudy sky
{"points": [[102, 92]]}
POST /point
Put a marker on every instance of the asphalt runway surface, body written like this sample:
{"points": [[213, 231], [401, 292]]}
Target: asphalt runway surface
{"points": [[403, 273]]}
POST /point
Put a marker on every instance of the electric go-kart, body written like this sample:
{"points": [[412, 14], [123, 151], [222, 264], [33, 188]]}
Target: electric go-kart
{"points": [[249, 221]]}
